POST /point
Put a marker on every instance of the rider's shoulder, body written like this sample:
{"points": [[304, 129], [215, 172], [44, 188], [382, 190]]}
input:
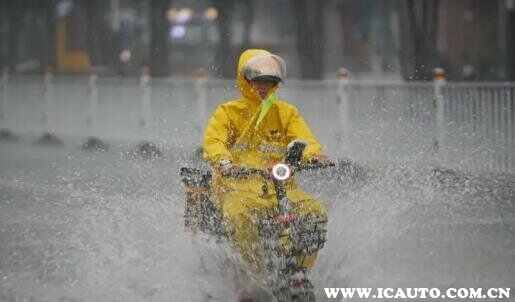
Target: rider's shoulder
{"points": [[229, 105], [286, 106], [235, 103]]}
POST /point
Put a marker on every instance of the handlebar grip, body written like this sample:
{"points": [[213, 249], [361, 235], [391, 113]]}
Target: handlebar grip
{"points": [[241, 172]]}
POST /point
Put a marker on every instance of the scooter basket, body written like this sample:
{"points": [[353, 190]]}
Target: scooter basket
{"points": [[200, 213]]}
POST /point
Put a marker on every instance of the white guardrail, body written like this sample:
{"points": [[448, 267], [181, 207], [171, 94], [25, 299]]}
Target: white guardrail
{"points": [[469, 126]]}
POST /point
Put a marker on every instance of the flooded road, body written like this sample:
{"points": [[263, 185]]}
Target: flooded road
{"points": [[81, 226]]}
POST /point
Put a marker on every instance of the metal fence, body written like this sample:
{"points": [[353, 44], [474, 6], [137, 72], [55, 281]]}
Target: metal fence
{"points": [[467, 126], [479, 125], [458, 125]]}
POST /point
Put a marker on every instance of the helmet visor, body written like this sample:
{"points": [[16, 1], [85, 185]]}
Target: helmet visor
{"points": [[265, 67]]}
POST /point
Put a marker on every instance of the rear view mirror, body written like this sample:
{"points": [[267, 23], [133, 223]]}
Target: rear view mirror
{"points": [[294, 152]]}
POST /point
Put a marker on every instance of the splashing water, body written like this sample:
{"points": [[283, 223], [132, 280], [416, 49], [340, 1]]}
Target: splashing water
{"points": [[76, 226]]}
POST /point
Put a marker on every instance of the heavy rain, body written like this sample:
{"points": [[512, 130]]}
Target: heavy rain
{"points": [[103, 102]]}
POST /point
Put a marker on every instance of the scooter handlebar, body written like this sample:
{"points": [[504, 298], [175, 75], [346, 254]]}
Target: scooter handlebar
{"points": [[242, 172], [315, 165]]}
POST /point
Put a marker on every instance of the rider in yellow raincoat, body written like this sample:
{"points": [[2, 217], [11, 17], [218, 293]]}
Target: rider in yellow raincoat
{"points": [[245, 132]]}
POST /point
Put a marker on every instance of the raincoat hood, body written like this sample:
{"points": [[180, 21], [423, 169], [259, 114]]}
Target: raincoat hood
{"points": [[252, 131], [247, 57]]}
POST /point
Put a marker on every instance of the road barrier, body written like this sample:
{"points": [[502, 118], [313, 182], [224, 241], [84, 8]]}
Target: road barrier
{"points": [[469, 126]]}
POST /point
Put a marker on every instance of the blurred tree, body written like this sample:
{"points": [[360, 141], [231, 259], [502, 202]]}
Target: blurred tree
{"points": [[14, 11], [248, 20], [510, 40], [225, 56], [418, 25], [159, 61], [47, 11], [356, 19], [3, 34], [30, 33], [99, 36], [310, 40]]}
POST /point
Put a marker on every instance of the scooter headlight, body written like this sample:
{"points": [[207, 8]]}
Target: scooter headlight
{"points": [[281, 171]]}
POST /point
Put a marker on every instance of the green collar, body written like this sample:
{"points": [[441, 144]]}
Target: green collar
{"points": [[265, 106]]}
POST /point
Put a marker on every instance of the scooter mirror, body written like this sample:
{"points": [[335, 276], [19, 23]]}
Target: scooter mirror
{"points": [[281, 171], [294, 152]]}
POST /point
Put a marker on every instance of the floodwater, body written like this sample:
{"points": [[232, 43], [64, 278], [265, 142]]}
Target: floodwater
{"points": [[82, 226]]}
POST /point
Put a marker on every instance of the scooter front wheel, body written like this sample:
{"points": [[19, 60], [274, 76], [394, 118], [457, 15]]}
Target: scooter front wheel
{"points": [[304, 297]]}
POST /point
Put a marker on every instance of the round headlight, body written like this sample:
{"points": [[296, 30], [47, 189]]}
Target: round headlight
{"points": [[281, 171]]}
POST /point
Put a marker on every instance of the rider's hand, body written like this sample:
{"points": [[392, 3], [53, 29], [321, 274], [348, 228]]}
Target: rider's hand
{"points": [[227, 168]]}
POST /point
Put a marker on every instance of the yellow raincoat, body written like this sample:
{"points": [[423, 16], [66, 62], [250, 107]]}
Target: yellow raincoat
{"points": [[232, 134]]}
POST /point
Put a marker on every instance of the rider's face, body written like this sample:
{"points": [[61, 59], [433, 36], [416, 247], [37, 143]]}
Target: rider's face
{"points": [[262, 87]]}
